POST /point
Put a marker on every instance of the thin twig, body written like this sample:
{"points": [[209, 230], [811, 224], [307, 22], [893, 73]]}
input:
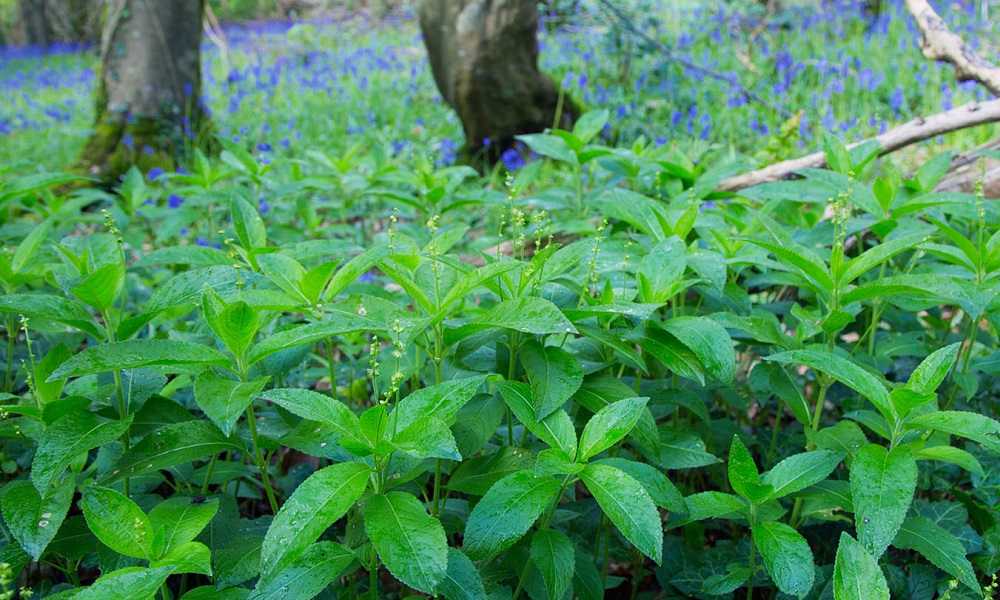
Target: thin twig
{"points": [[673, 56]]}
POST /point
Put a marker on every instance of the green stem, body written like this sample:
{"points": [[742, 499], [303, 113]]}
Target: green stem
{"points": [[373, 576], [208, 474], [437, 487], [259, 458], [122, 415], [11, 341]]}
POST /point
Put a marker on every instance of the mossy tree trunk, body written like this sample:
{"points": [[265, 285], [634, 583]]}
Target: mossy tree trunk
{"points": [[148, 110], [484, 56], [34, 23]]}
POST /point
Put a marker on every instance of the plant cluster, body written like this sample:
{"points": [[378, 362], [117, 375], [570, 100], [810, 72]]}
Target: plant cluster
{"points": [[604, 379]]}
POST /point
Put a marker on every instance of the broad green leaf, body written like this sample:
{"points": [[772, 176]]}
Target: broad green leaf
{"points": [[710, 343], [238, 561], [100, 288], [353, 269], [132, 583], [54, 308], [118, 522], [800, 471], [462, 581], [285, 272], [209, 592], [340, 323], [877, 255], [712, 505], [477, 422], [554, 373], [224, 400], [237, 325], [664, 493], [187, 287], [178, 520], [647, 215], [673, 354], [661, 270], [610, 425], [585, 129], [172, 445], [248, 224], [410, 542], [553, 461], [744, 477], [528, 314], [133, 354], [787, 557], [904, 400], [931, 172], [427, 437], [932, 370], [856, 574], [629, 507], [26, 184], [549, 145], [556, 430], [506, 513], [680, 450], [978, 428], [844, 371], [67, 438], [772, 378], [937, 545], [50, 392], [316, 504], [475, 476], [798, 259], [952, 455], [587, 583], [32, 519], [553, 554], [189, 557], [205, 256], [441, 401], [317, 407], [882, 486], [307, 576]]}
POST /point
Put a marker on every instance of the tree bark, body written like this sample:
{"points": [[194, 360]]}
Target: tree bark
{"points": [[484, 57], [35, 28], [148, 110]]}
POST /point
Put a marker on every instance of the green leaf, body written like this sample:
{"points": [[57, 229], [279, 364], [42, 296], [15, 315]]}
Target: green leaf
{"points": [[978, 428], [178, 520], [68, 437], [340, 323], [316, 504], [844, 371], [710, 343], [549, 145], [133, 354], [477, 422], [462, 581], [856, 574], [642, 212], [427, 437], [952, 455], [671, 352], [744, 477], [553, 554], [172, 445], [787, 557], [586, 128], [131, 582], [50, 392], [553, 461], [610, 425], [556, 430], [680, 450], [554, 374], [54, 308], [664, 493], [932, 370], [118, 522], [26, 184], [799, 259], [238, 561], [475, 476], [629, 507], [528, 314], [712, 505], [317, 407], [441, 401], [800, 471], [939, 546], [660, 271], [100, 288], [931, 172], [285, 272], [248, 224], [237, 325], [209, 592], [224, 400], [506, 513], [410, 542], [877, 255], [189, 557], [307, 576], [837, 157], [882, 486], [32, 519]]}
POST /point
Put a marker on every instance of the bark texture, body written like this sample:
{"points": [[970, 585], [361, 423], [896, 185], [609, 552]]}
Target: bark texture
{"points": [[46, 22], [34, 25], [484, 56], [148, 111]]}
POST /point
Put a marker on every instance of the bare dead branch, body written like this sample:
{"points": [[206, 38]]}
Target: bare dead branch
{"points": [[917, 130], [940, 43]]}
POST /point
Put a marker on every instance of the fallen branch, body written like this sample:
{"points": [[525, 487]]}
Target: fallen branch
{"points": [[918, 130], [941, 43]]}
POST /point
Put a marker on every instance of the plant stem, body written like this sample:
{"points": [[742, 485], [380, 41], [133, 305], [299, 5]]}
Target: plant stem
{"points": [[373, 576], [122, 415], [208, 474], [259, 458], [330, 366], [11, 341]]}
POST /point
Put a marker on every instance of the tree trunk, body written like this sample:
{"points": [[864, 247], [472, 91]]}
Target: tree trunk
{"points": [[35, 28], [484, 56], [148, 109]]}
